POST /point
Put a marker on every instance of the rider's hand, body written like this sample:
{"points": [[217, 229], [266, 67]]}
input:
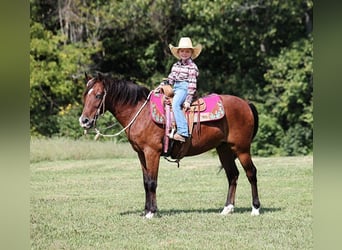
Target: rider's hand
{"points": [[186, 105], [157, 90]]}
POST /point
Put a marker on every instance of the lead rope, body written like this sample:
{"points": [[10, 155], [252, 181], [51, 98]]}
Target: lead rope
{"points": [[98, 133]]}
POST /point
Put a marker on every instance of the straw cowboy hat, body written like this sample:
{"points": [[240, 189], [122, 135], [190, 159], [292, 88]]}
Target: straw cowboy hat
{"points": [[185, 43]]}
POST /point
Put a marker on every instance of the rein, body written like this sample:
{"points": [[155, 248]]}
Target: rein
{"points": [[98, 133]]}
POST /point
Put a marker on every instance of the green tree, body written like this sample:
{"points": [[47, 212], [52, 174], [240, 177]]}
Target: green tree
{"points": [[55, 68], [242, 35], [268, 139], [289, 97]]}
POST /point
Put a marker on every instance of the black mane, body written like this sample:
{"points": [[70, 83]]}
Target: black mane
{"points": [[123, 91]]}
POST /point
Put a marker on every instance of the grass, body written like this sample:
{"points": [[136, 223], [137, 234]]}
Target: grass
{"points": [[79, 203], [65, 149]]}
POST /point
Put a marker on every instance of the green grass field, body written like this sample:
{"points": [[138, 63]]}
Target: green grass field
{"points": [[96, 201]]}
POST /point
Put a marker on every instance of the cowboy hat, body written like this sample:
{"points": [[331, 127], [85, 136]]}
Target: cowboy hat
{"points": [[185, 43]]}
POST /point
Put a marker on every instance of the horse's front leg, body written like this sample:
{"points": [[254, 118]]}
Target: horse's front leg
{"points": [[150, 165]]}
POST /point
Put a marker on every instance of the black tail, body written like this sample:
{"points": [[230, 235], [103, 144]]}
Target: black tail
{"points": [[256, 118]]}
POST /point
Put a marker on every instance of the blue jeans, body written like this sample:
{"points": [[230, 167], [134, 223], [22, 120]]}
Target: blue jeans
{"points": [[181, 91]]}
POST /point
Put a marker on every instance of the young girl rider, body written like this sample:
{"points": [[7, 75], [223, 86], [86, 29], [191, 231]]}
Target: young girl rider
{"points": [[183, 78]]}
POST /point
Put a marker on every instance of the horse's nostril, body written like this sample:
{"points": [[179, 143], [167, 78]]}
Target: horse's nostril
{"points": [[85, 120]]}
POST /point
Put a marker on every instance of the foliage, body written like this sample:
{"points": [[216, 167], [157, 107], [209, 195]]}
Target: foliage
{"points": [[68, 121], [54, 68], [251, 48], [297, 140], [290, 95], [267, 140]]}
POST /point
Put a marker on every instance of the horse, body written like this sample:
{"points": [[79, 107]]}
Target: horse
{"points": [[231, 136]]}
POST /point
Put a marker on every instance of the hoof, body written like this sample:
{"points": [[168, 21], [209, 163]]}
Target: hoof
{"points": [[149, 215], [228, 209], [255, 211]]}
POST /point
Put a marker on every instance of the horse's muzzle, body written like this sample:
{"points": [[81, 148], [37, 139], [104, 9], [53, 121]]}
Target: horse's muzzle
{"points": [[86, 122]]}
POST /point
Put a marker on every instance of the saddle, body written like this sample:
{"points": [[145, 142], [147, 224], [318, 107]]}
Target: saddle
{"points": [[207, 108], [204, 109]]}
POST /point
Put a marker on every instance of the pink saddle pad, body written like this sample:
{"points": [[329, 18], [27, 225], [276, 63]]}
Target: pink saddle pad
{"points": [[214, 108]]}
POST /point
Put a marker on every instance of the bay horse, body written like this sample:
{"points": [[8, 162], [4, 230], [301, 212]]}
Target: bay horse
{"points": [[231, 136]]}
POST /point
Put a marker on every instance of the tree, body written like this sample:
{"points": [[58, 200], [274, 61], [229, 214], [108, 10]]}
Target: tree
{"points": [[55, 67], [289, 97]]}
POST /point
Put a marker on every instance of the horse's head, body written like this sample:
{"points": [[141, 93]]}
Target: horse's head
{"points": [[94, 101]]}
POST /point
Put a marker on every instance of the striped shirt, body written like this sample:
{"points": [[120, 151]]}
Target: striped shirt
{"points": [[185, 71]]}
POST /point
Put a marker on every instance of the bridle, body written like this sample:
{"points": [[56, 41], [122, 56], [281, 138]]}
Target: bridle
{"points": [[102, 104], [99, 113]]}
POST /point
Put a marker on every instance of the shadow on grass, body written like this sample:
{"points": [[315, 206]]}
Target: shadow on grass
{"points": [[237, 210]]}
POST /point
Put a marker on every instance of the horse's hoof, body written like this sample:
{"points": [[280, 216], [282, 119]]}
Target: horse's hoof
{"points": [[228, 209], [149, 215], [255, 211]]}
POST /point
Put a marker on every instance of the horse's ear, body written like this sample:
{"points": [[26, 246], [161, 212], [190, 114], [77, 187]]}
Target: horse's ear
{"points": [[100, 76], [87, 77]]}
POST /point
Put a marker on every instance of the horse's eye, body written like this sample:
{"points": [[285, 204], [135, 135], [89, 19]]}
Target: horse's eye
{"points": [[98, 96]]}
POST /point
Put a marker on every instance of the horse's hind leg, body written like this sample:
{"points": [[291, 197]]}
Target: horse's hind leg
{"points": [[251, 172], [227, 159]]}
